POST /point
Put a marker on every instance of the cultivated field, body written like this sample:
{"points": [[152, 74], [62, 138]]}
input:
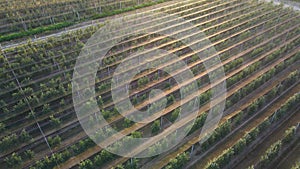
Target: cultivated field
{"points": [[258, 44]]}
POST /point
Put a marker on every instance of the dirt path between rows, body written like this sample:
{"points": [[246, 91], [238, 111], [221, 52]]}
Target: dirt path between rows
{"points": [[217, 150], [254, 155], [292, 157]]}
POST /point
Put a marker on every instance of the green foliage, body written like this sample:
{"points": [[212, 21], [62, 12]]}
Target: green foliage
{"points": [[131, 165], [118, 11], [167, 85], [155, 127], [82, 146], [86, 164], [251, 167], [254, 133], [13, 140], [174, 115], [289, 135], [127, 123], [213, 165], [143, 81], [103, 87], [2, 127], [29, 154], [222, 160], [287, 106], [238, 118], [233, 64], [31, 115], [24, 136], [136, 134], [270, 154], [20, 106], [252, 108], [199, 122], [257, 51], [171, 99], [296, 166], [46, 109], [53, 160], [240, 145], [264, 125], [62, 102], [223, 129], [103, 157], [120, 166], [34, 31], [55, 121], [128, 165], [105, 113], [54, 141], [179, 161], [13, 161], [100, 101], [217, 135], [60, 25], [204, 97]]}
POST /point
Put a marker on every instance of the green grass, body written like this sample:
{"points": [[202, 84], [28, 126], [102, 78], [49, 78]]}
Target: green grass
{"points": [[60, 25], [34, 31]]}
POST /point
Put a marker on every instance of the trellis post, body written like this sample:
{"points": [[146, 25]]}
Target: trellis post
{"points": [[192, 150], [274, 116]]}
